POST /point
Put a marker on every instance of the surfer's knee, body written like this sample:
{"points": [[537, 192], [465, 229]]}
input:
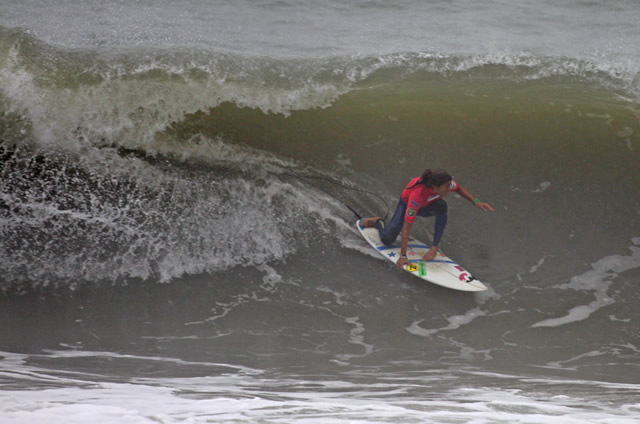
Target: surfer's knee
{"points": [[388, 239], [387, 235]]}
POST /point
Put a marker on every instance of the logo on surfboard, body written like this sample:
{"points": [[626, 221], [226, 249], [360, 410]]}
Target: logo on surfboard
{"points": [[466, 277]]}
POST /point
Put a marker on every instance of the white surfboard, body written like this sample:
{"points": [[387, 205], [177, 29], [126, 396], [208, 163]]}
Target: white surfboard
{"points": [[441, 271]]}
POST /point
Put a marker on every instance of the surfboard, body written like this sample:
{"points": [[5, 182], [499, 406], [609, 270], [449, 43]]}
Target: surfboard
{"points": [[442, 270]]}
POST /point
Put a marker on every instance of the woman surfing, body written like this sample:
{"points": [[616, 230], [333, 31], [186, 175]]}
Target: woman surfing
{"points": [[423, 196]]}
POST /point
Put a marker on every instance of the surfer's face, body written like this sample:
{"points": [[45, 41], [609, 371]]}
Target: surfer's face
{"points": [[443, 189]]}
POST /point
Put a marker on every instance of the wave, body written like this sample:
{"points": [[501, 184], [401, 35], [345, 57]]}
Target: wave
{"points": [[113, 160]]}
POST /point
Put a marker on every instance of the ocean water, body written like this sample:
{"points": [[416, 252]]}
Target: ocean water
{"points": [[175, 245]]}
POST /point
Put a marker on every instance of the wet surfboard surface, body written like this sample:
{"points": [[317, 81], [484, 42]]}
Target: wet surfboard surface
{"points": [[442, 270]]}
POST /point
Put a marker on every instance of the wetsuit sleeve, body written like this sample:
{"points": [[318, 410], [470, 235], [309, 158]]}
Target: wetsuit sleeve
{"points": [[413, 206]]}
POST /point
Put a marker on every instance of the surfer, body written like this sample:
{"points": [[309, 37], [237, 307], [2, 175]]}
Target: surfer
{"points": [[423, 196]]}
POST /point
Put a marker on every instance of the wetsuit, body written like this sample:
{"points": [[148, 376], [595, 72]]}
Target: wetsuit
{"points": [[416, 200]]}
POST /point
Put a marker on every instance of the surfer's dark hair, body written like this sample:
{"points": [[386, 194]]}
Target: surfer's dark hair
{"points": [[435, 177]]}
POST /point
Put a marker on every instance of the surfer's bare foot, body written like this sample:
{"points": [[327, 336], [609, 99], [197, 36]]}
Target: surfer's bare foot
{"points": [[369, 222]]}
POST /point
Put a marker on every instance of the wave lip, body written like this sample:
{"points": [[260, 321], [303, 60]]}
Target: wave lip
{"points": [[130, 98], [176, 82]]}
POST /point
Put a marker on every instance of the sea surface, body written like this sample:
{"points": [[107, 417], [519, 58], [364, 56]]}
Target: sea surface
{"points": [[176, 244]]}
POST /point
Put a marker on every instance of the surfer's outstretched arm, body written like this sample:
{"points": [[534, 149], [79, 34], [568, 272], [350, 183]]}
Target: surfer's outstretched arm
{"points": [[482, 205]]}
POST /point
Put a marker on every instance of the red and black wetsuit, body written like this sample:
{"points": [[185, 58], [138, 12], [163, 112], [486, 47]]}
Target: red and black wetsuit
{"points": [[417, 200]]}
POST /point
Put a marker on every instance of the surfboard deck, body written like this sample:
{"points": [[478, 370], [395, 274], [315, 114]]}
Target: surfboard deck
{"points": [[441, 271]]}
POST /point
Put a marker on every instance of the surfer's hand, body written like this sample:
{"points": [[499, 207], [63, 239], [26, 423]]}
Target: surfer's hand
{"points": [[485, 206], [402, 262], [431, 254]]}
